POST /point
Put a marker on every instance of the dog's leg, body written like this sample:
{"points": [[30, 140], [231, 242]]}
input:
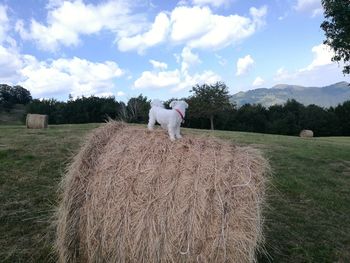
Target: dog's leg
{"points": [[178, 135], [151, 122], [171, 131]]}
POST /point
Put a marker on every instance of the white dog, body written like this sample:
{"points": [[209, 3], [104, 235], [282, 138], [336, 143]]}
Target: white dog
{"points": [[168, 119]]}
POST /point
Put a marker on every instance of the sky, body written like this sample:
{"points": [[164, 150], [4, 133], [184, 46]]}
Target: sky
{"points": [[160, 48]]}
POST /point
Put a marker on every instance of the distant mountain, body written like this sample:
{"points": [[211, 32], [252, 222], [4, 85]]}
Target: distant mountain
{"points": [[326, 96]]}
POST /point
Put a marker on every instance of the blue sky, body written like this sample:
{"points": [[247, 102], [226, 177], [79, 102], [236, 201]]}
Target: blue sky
{"points": [[161, 48]]}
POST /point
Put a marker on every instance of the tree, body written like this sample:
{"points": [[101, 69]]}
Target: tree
{"points": [[137, 109], [285, 119], [5, 97], [323, 122], [13, 95], [343, 112], [82, 110], [21, 95], [337, 29], [51, 107], [251, 118], [209, 100]]}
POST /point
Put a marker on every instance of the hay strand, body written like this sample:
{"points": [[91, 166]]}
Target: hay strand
{"points": [[37, 121], [131, 195], [306, 134]]}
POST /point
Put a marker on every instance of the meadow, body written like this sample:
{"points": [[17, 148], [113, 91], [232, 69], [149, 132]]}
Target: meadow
{"points": [[307, 218]]}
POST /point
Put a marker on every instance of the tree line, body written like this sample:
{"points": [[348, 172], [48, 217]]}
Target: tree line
{"points": [[209, 107]]}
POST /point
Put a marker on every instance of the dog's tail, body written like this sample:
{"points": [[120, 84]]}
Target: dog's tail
{"points": [[157, 103]]}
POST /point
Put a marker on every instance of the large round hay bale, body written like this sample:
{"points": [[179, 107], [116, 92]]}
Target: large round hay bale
{"points": [[306, 133], [131, 195], [36, 121]]}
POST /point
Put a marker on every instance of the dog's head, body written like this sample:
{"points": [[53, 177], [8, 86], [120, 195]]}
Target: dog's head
{"points": [[178, 103]]}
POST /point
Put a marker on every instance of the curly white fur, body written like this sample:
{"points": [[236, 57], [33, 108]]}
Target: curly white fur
{"points": [[169, 119]]}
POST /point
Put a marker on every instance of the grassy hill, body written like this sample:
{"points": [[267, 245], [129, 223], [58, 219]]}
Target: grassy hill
{"points": [[309, 197]]}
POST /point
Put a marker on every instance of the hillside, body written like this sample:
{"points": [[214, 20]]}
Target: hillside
{"points": [[326, 96], [307, 219]]}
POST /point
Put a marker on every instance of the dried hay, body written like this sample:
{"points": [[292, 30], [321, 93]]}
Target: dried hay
{"points": [[134, 196], [306, 134], [36, 121]]}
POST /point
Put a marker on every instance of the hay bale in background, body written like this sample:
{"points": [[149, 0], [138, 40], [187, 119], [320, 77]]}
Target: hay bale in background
{"points": [[36, 121], [131, 195], [306, 133]]}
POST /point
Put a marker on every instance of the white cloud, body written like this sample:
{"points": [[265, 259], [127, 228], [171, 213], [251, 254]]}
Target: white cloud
{"points": [[189, 22], [161, 79], [10, 65], [67, 20], [10, 59], [314, 7], [196, 27], [176, 80], [120, 94], [317, 77], [322, 56], [158, 65], [188, 59], [258, 82], [156, 34], [75, 76], [244, 65], [320, 72], [227, 30], [214, 3], [188, 81]]}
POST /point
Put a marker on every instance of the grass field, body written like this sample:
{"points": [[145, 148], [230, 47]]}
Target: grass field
{"points": [[308, 218]]}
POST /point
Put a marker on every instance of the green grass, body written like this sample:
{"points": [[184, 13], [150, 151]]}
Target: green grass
{"points": [[308, 218]]}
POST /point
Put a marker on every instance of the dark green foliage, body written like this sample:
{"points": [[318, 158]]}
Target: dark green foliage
{"points": [[9, 96], [21, 95], [322, 122], [343, 114], [337, 29], [51, 107], [287, 119], [137, 110], [208, 101], [82, 110], [90, 109], [252, 118]]}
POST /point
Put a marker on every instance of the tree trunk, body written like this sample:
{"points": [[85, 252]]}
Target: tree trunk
{"points": [[212, 122]]}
